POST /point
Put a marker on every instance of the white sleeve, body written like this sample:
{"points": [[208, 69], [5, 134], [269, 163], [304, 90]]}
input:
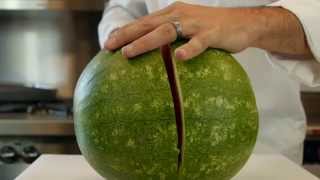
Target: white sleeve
{"points": [[118, 13], [308, 12]]}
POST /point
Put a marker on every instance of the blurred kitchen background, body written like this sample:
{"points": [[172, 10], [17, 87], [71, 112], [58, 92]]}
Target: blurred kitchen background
{"points": [[44, 45]]}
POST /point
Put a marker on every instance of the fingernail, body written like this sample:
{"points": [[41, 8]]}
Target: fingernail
{"points": [[180, 54], [114, 32], [127, 51], [110, 42]]}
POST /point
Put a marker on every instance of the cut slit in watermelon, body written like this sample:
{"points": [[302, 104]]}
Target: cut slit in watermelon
{"points": [[176, 93]]}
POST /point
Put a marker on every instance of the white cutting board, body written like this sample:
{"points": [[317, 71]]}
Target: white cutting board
{"points": [[74, 167]]}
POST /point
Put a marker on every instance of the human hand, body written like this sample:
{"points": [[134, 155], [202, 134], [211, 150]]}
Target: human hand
{"points": [[231, 29], [205, 26]]}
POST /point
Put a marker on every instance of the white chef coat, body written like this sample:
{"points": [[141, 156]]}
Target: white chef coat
{"points": [[275, 80]]}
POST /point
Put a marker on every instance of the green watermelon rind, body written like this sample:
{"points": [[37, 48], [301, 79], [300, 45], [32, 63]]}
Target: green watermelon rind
{"points": [[221, 111]]}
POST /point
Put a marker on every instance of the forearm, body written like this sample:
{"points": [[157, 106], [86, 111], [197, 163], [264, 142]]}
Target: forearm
{"points": [[281, 33]]}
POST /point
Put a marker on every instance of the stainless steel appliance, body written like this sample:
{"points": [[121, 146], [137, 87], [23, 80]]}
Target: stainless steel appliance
{"points": [[45, 45], [46, 49], [81, 5], [31, 128]]}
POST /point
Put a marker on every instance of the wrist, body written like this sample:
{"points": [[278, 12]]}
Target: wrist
{"points": [[268, 20], [280, 32], [254, 23], [261, 26]]}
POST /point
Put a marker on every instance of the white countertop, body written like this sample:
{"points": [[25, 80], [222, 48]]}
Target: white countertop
{"points": [[74, 167]]}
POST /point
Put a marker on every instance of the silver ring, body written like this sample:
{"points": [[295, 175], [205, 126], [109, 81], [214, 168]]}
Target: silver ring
{"points": [[178, 27]]}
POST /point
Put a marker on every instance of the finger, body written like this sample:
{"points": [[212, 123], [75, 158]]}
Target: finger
{"points": [[136, 29], [162, 35], [161, 12], [194, 47], [189, 27], [143, 25], [129, 33]]}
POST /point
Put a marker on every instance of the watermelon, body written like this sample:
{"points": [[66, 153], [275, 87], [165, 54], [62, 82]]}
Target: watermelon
{"points": [[156, 118]]}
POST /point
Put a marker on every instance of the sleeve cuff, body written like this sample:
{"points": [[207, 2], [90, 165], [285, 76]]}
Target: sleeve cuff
{"points": [[305, 71]]}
